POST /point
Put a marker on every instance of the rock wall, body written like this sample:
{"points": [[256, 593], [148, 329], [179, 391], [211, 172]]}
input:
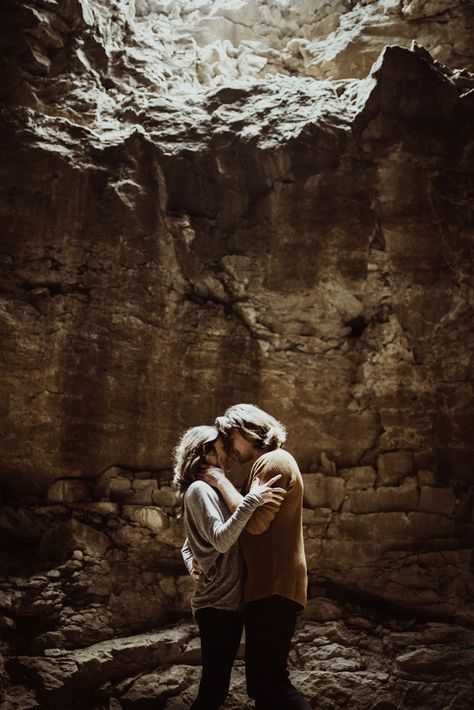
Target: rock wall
{"points": [[206, 203], [304, 244]]}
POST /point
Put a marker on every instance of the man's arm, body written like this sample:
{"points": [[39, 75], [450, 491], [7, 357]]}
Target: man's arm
{"points": [[258, 524], [262, 517]]}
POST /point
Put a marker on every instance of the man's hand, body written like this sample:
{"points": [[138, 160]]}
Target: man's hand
{"points": [[213, 476], [197, 570]]}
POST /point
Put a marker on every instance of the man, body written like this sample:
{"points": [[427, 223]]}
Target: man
{"points": [[272, 546]]}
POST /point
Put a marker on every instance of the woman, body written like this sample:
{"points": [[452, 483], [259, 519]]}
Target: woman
{"points": [[212, 534]]}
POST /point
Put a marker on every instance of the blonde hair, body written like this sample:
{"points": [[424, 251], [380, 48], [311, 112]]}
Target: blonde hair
{"points": [[189, 455], [262, 430]]}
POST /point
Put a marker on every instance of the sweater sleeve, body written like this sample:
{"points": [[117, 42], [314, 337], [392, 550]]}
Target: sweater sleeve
{"points": [[264, 515], [202, 509], [187, 556]]}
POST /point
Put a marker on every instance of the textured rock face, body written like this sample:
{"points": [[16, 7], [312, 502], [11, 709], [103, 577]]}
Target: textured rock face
{"points": [[297, 243], [192, 219]]}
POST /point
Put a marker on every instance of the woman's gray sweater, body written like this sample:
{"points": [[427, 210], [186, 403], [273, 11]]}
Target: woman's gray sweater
{"points": [[212, 534]]}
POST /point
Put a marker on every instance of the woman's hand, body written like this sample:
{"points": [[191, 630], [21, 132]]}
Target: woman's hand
{"points": [[212, 475], [267, 492]]}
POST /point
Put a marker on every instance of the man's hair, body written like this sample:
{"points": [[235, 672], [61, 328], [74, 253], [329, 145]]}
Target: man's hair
{"points": [[190, 454], [262, 430]]}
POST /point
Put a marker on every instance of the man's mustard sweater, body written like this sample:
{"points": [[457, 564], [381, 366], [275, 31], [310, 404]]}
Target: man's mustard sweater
{"points": [[272, 542]]}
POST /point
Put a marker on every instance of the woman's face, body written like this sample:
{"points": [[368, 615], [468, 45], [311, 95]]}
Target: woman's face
{"points": [[218, 456]]}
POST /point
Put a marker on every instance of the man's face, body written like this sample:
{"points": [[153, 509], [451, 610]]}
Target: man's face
{"points": [[242, 450], [218, 456]]}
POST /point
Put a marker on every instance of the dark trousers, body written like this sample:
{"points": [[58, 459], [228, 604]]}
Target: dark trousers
{"points": [[220, 632], [269, 627]]}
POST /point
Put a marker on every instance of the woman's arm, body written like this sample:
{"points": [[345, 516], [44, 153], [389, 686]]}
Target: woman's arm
{"points": [[262, 517], [187, 555], [201, 506], [204, 513]]}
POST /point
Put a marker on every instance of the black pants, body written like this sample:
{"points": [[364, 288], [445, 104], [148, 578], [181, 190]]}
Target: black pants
{"points": [[220, 632], [269, 627]]}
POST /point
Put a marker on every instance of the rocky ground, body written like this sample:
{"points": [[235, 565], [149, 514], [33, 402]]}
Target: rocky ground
{"points": [[94, 598], [358, 661]]}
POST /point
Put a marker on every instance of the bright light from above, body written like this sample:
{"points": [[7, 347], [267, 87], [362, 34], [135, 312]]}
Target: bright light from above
{"points": [[214, 42]]}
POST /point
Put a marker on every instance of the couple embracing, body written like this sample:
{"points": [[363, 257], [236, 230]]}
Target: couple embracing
{"points": [[246, 553]]}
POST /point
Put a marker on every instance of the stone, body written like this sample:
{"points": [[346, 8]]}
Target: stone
{"points": [[19, 698], [110, 480], [141, 493], [154, 688], [393, 466], [333, 663], [164, 496], [316, 520], [426, 478], [386, 528], [437, 500], [120, 489], [320, 609], [8, 599], [64, 538], [7, 623], [387, 499], [149, 517], [87, 667], [361, 477], [192, 652], [321, 491], [433, 661], [328, 467], [313, 548], [144, 484], [68, 490], [168, 586], [103, 508], [185, 585]]}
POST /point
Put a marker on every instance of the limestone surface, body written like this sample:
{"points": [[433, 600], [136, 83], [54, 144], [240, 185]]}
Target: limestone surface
{"points": [[169, 250]]}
